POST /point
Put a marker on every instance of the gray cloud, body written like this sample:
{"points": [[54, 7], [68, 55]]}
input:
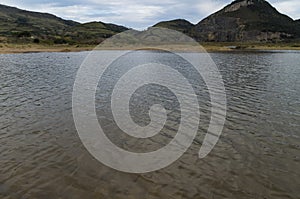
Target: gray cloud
{"points": [[138, 13]]}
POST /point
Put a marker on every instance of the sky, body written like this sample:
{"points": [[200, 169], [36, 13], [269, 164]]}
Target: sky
{"points": [[138, 14]]}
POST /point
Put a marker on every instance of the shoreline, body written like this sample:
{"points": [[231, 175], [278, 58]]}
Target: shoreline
{"points": [[28, 48], [208, 47]]}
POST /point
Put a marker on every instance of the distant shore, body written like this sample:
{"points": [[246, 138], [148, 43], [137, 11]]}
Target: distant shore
{"points": [[209, 47], [35, 48], [250, 46]]}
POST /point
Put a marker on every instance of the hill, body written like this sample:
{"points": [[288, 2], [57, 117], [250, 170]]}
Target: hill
{"points": [[92, 32], [240, 21], [20, 26], [245, 20], [181, 25]]}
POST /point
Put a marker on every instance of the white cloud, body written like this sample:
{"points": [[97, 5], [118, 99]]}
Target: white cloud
{"points": [[73, 11], [209, 7], [290, 7]]}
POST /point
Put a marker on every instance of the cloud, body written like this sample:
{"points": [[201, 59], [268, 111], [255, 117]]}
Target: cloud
{"points": [[289, 7], [137, 13]]}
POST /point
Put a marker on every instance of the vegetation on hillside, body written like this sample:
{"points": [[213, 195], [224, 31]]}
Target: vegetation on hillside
{"points": [[180, 25], [20, 26]]}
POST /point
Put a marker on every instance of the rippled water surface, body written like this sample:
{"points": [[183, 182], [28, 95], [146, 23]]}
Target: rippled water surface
{"points": [[257, 156]]}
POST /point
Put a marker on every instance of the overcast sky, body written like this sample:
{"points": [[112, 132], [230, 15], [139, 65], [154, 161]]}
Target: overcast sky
{"points": [[138, 14]]}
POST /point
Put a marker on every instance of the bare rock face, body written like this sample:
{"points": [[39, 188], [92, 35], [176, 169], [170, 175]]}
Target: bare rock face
{"points": [[246, 20]]}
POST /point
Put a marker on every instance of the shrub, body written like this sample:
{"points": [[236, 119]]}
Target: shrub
{"points": [[24, 34], [36, 41]]}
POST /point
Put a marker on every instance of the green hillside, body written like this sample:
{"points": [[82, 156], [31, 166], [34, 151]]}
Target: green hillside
{"points": [[20, 26]]}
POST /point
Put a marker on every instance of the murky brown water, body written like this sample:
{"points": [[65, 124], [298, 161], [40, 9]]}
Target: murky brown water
{"points": [[258, 155]]}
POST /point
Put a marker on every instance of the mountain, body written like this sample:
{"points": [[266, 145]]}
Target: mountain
{"points": [[245, 20], [18, 25]]}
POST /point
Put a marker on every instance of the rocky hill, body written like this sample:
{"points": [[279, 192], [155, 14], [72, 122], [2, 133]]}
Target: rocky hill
{"points": [[19, 26], [245, 20]]}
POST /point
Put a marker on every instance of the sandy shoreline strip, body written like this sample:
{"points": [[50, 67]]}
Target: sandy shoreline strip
{"points": [[14, 48]]}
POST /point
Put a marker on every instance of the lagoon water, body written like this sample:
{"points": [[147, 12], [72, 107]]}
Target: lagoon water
{"points": [[257, 156]]}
